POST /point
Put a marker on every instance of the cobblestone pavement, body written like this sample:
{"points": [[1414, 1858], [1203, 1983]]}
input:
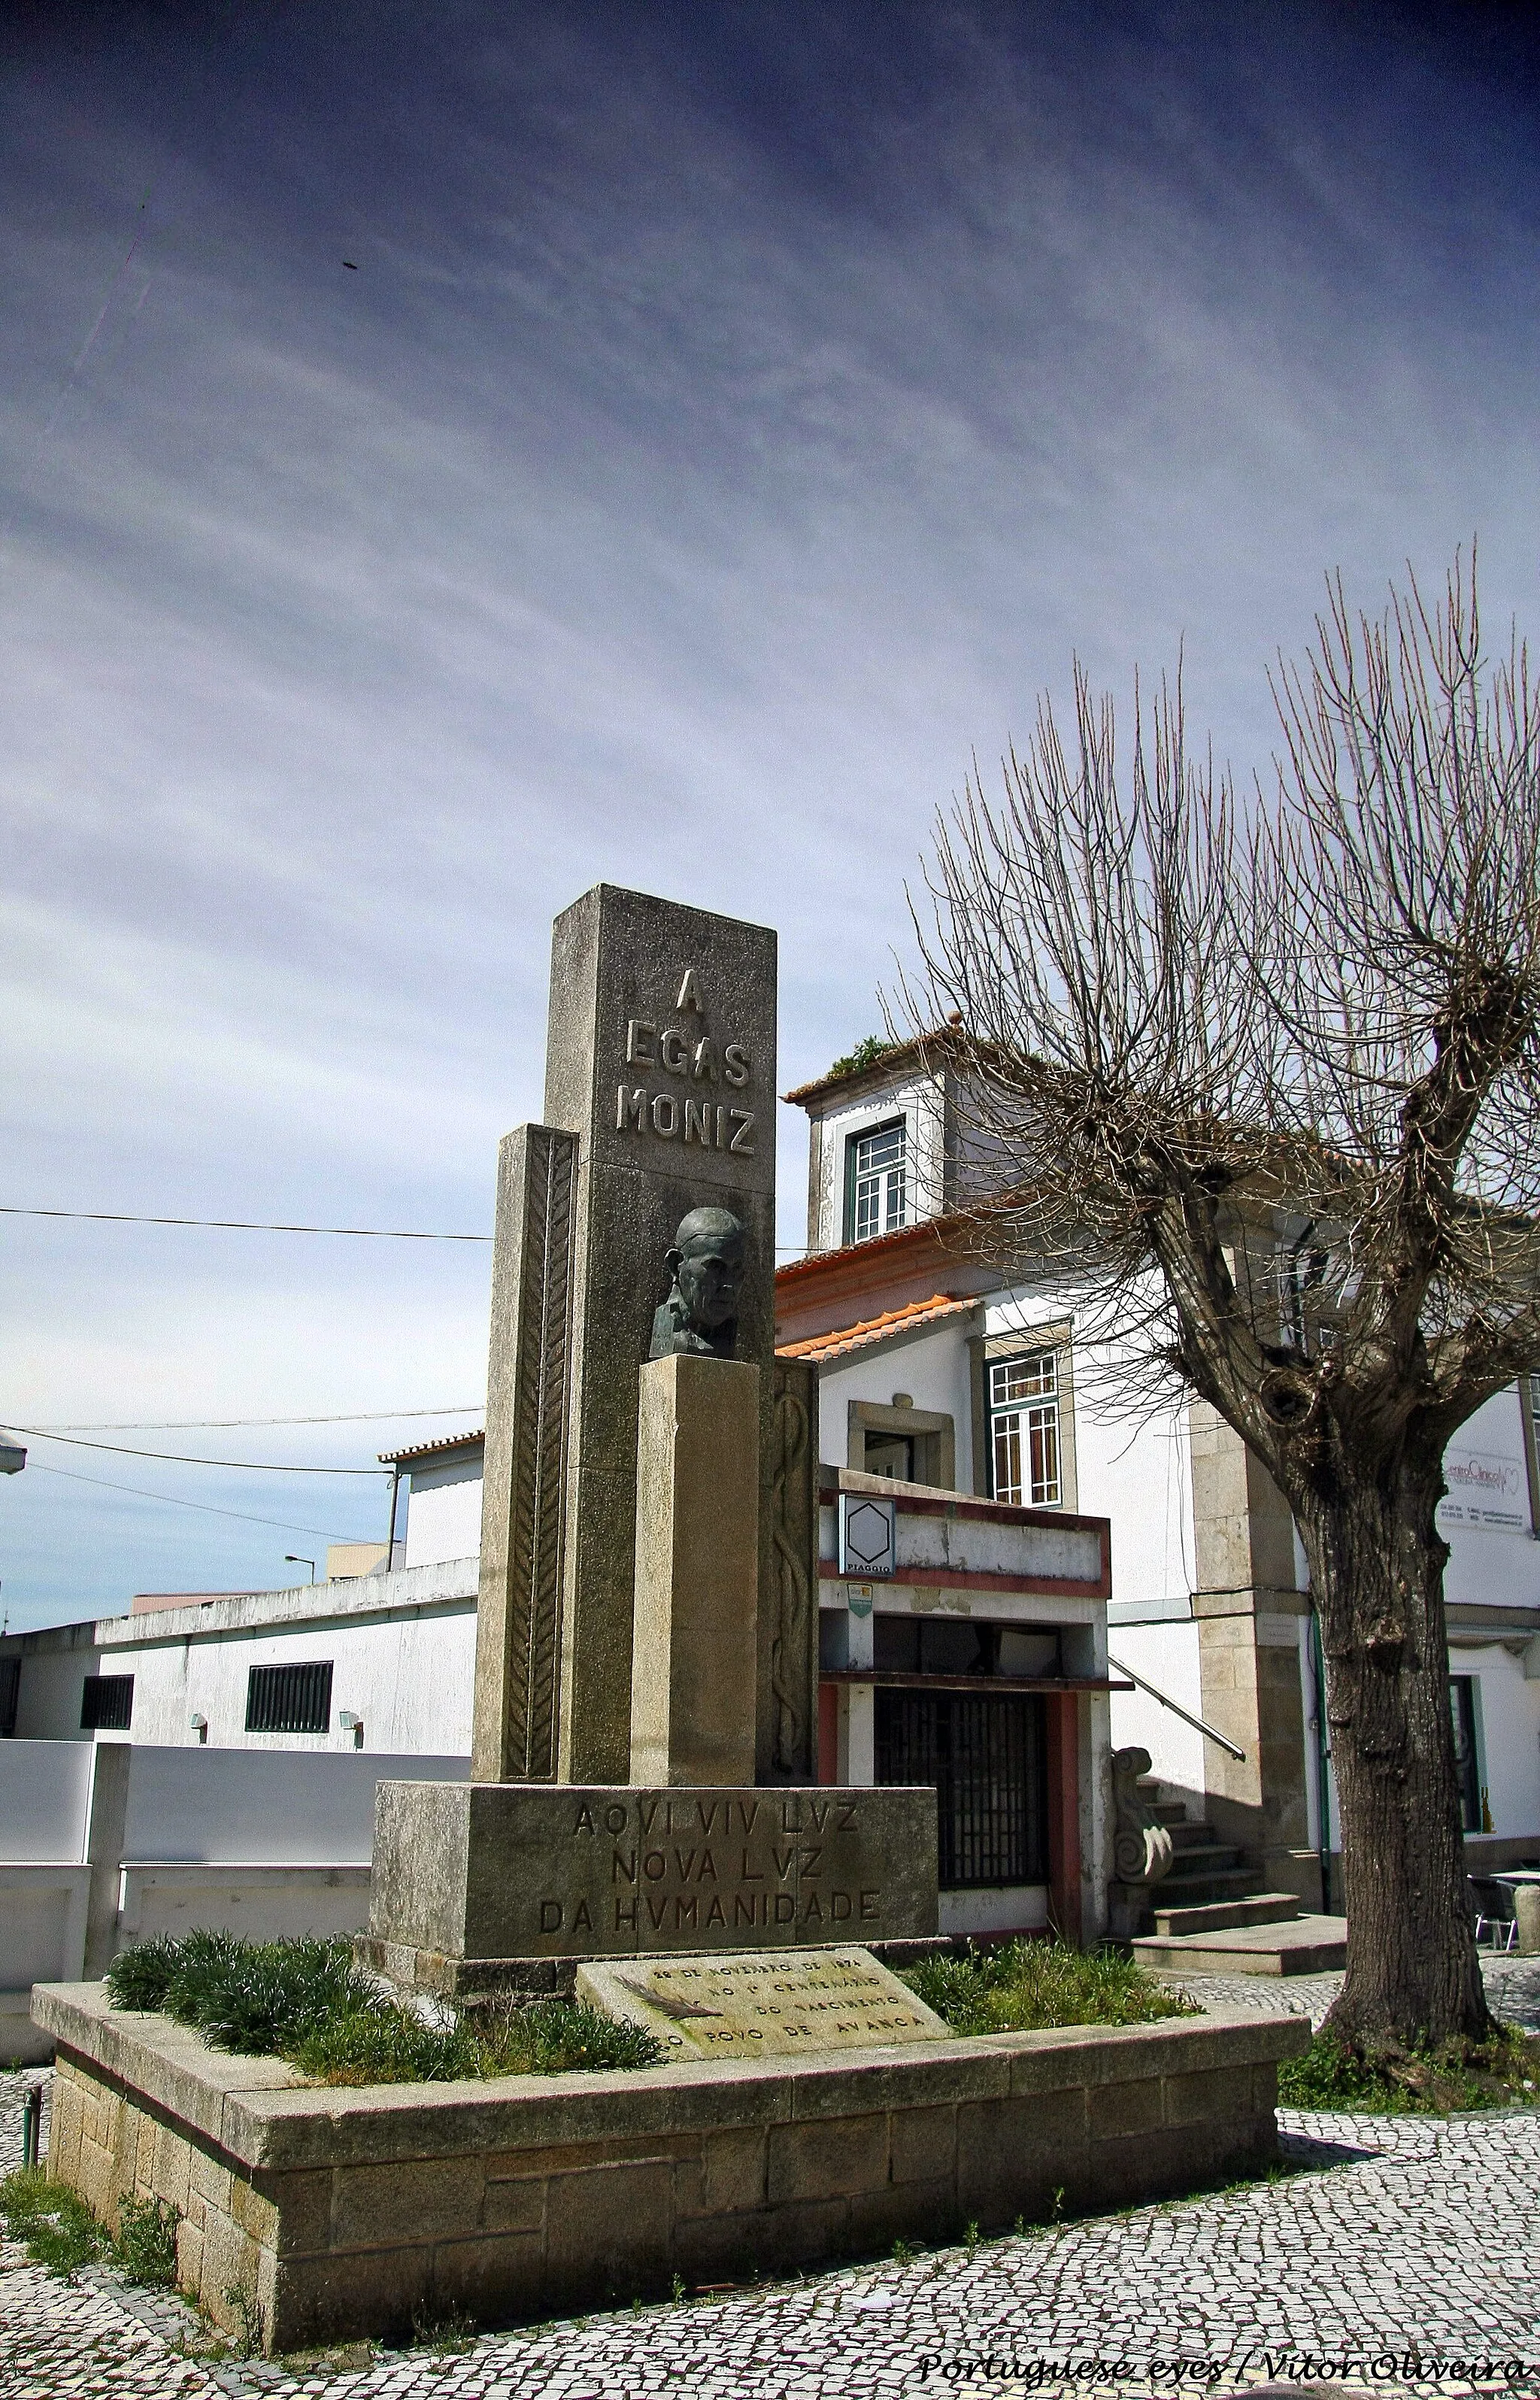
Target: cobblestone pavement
{"points": [[1387, 2236]]}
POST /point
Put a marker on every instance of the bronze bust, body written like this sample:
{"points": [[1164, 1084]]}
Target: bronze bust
{"points": [[699, 1317]]}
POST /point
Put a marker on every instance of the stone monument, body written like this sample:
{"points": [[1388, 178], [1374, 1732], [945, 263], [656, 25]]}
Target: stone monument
{"points": [[644, 1753]]}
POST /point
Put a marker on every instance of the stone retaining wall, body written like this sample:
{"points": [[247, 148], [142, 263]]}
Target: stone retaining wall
{"points": [[339, 2213]]}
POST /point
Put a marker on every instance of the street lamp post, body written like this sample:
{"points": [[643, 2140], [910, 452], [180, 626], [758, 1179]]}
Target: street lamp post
{"points": [[292, 1560]]}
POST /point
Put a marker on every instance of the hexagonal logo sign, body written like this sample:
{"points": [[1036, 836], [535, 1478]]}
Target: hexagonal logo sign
{"points": [[867, 1537]]}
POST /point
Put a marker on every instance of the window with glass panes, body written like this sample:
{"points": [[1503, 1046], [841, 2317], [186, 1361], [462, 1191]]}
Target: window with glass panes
{"points": [[1024, 1446], [879, 1183]]}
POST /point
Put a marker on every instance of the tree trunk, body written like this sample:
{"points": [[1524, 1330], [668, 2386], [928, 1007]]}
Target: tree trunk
{"points": [[1377, 1569]]}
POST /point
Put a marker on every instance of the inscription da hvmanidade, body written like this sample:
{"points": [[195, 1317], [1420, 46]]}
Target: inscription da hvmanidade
{"points": [[670, 1867]]}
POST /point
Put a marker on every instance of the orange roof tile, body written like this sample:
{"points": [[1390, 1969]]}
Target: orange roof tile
{"points": [[428, 1449], [819, 1346]]}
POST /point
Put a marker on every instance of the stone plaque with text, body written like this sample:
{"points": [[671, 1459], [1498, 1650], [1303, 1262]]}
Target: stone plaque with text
{"points": [[762, 2004]]}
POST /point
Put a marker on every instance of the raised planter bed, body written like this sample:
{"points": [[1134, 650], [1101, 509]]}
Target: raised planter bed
{"points": [[340, 2213]]}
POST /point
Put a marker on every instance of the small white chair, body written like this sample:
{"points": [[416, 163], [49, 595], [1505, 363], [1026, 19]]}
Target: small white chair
{"points": [[1502, 1927]]}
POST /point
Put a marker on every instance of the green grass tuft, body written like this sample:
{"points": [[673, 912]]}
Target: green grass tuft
{"points": [[145, 2247], [141, 1978], [55, 2224], [255, 1997], [386, 2044], [306, 2002], [60, 2232], [562, 2037], [1417, 2081], [1027, 1986]]}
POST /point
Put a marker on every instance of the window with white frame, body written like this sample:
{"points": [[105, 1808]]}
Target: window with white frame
{"points": [[879, 1183], [1024, 1433]]}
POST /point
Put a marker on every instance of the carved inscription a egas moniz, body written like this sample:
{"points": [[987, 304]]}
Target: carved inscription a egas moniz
{"points": [[708, 1868], [702, 1103]]}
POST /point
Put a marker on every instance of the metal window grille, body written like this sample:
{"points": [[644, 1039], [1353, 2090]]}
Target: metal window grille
{"points": [[106, 1704], [10, 1693], [987, 1759], [1024, 1431], [880, 1183], [290, 1699]]}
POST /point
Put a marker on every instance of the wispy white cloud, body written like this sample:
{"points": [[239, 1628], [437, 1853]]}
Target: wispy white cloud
{"points": [[733, 420]]}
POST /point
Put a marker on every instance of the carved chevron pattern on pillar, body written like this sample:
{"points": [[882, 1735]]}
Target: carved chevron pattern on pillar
{"points": [[794, 1532], [538, 1516]]}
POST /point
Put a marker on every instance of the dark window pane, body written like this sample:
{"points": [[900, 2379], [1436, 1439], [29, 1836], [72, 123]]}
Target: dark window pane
{"points": [[10, 1692], [1461, 1709], [1026, 1650], [832, 1640], [895, 1644], [290, 1699], [890, 1454], [987, 1758], [953, 1649], [106, 1704]]}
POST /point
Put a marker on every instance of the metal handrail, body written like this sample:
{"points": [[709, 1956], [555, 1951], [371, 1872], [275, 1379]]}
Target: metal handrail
{"points": [[1177, 1710]]}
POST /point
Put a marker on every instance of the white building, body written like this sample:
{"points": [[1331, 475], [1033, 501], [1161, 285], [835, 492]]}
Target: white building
{"points": [[929, 1368]]}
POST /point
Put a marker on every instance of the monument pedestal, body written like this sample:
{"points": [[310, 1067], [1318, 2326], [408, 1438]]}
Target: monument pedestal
{"points": [[694, 1632], [481, 1888]]}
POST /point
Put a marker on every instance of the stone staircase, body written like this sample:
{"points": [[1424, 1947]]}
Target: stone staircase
{"points": [[1212, 1916]]}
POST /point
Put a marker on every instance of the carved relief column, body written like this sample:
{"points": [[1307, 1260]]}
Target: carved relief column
{"points": [[524, 1490], [786, 1751]]}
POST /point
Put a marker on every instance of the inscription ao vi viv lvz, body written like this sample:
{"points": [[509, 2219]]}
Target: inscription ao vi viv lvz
{"points": [[694, 1056], [742, 1897]]}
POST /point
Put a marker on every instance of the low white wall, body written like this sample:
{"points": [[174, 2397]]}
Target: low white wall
{"points": [[1017, 1908], [44, 1793], [261, 1843], [269, 1807], [42, 1941], [264, 1903], [43, 1912]]}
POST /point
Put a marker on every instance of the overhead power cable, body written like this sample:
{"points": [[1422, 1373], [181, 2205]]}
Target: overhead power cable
{"points": [[168, 1500], [240, 1225], [230, 1424], [252, 1225], [174, 1458]]}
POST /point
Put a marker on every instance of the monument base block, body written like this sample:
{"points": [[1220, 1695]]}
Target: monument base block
{"points": [[480, 1887], [309, 2214]]}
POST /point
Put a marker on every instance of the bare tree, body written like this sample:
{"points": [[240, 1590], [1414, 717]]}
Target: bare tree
{"points": [[1262, 1078]]}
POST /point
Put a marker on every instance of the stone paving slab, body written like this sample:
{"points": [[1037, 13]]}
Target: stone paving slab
{"points": [[1398, 2254]]}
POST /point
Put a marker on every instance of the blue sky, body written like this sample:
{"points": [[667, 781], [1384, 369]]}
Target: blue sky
{"points": [[733, 416]]}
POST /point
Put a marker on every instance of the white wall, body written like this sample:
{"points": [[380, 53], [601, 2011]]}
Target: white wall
{"points": [[268, 1808], [410, 1679], [918, 1101], [443, 1512], [43, 1914], [45, 1798], [932, 1367], [259, 1904], [1167, 1656], [246, 1842], [402, 1647], [48, 1701], [1139, 1474], [1508, 1730]]}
